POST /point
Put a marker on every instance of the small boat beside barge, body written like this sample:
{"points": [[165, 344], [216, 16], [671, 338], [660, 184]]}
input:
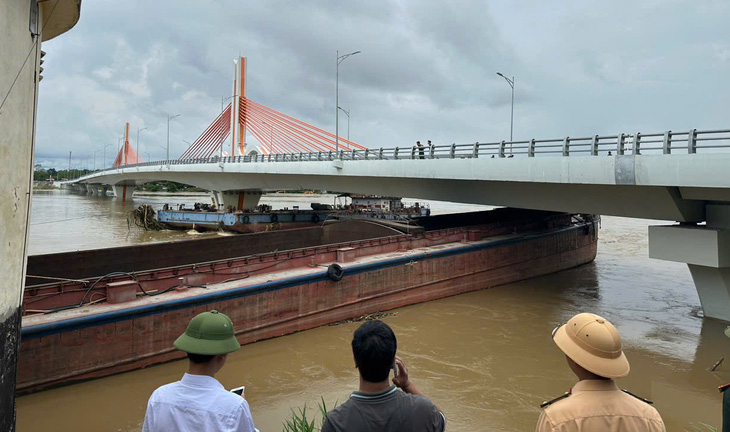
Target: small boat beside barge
{"points": [[204, 217], [114, 318]]}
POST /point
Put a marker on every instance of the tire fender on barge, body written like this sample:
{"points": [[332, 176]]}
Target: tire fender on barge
{"points": [[335, 272]]}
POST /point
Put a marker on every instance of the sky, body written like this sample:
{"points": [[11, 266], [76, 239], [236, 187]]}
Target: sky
{"points": [[427, 70]]}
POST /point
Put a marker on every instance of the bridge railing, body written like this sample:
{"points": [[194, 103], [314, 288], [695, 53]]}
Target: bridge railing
{"points": [[669, 142]]}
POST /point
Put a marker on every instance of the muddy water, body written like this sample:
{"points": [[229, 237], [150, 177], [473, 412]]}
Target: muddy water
{"points": [[63, 221], [486, 358]]}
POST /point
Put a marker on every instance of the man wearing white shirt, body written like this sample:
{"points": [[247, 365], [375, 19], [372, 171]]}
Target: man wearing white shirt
{"points": [[198, 402]]}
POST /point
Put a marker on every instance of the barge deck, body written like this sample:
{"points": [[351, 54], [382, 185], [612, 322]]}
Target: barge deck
{"points": [[273, 294]]}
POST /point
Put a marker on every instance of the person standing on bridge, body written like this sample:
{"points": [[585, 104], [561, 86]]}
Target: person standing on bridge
{"points": [[420, 149], [592, 347], [198, 402]]}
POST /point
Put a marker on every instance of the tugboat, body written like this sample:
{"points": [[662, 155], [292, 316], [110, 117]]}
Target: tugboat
{"points": [[379, 207]]}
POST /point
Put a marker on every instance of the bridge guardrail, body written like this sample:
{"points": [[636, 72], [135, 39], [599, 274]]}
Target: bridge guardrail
{"points": [[669, 142]]}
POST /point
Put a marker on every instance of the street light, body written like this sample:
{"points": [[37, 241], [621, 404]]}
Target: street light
{"points": [[223, 101], [148, 156], [104, 161], [340, 59], [95, 158], [511, 83], [347, 113], [138, 131], [169, 117]]}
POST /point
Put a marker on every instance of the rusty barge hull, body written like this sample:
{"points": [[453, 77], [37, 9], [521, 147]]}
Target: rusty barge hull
{"points": [[283, 292]]}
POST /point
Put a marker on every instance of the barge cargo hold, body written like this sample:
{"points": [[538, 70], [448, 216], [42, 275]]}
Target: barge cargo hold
{"points": [[273, 294]]}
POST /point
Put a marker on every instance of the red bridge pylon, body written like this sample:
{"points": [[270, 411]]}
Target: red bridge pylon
{"points": [[126, 155], [275, 132]]}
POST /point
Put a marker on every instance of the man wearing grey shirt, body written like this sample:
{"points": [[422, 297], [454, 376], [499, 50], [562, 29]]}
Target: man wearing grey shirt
{"points": [[378, 405]]}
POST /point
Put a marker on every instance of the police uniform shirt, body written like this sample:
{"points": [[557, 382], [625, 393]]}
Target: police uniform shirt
{"points": [[391, 411], [599, 405], [197, 403]]}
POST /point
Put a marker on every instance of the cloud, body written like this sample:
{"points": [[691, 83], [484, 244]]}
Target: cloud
{"points": [[426, 69]]}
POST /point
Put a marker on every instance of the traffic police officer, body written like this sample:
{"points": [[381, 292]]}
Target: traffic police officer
{"points": [[198, 402], [592, 346]]}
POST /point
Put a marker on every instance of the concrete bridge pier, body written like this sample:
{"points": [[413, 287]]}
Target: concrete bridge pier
{"points": [[104, 190], [239, 199], [123, 192], [92, 189], [706, 250]]}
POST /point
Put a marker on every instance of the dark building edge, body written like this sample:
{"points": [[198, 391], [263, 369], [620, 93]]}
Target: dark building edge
{"points": [[10, 344]]}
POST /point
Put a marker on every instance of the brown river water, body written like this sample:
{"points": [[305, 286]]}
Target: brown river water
{"points": [[486, 358]]}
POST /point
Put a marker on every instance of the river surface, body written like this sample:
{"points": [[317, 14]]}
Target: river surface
{"points": [[486, 358]]}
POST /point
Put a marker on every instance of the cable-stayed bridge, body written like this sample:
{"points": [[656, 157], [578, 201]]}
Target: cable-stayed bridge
{"points": [[676, 176]]}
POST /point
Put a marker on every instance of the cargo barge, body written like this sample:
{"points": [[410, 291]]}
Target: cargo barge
{"points": [[123, 320]]}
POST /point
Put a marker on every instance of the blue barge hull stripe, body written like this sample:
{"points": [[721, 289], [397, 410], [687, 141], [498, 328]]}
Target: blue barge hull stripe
{"points": [[83, 322]]}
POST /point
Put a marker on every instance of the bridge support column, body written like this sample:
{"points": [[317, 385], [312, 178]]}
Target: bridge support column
{"points": [[706, 250], [123, 192], [92, 189], [240, 200]]}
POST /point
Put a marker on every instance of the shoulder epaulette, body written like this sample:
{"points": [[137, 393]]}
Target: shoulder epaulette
{"points": [[552, 401], [637, 397]]}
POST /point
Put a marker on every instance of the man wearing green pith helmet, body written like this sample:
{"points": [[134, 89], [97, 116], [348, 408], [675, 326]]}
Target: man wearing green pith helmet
{"points": [[198, 402]]}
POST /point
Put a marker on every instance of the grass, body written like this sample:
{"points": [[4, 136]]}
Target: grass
{"points": [[299, 422], [703, 427]]}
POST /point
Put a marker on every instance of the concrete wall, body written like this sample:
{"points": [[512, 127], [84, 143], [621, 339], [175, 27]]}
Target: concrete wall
{"points": [[17, 119], [20, 51], [16, 144]]}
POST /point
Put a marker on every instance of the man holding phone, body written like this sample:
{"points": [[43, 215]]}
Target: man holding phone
{"points": [[377, 405], [198, 402]]}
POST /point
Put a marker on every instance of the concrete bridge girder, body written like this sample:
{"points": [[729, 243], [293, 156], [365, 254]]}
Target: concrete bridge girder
{"points": [[633, 186], [123, 192], [238, 199], [644, 202], [706, 250], [93, 189]]}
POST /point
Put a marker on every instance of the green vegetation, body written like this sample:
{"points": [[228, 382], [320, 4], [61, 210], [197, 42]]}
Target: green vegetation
{"points": [[40, 174], [300, 423]]}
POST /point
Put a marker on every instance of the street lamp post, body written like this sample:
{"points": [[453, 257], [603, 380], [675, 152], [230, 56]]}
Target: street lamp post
{"points": [[104, 159], [169, 117], [511, 83], [148, 156], [340, 59], [347, 113], [95, 158], [138, 131], [223, 101]]}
